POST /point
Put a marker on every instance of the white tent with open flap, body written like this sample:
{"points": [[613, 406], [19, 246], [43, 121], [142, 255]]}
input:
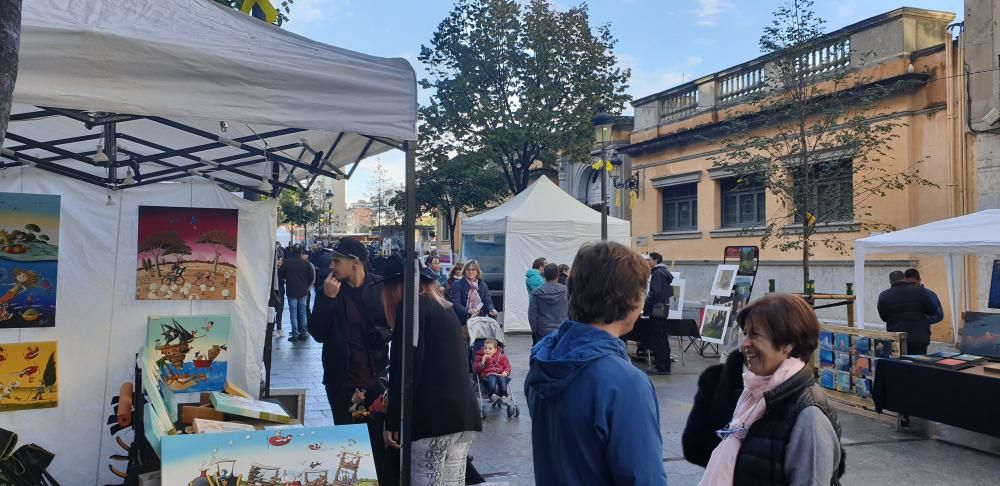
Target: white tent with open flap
{"points": [[122, 103], [976, 234], [541, 221]]}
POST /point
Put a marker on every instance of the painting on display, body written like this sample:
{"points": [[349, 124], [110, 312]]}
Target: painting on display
{"points": [[741, 292], [677, 301], [747, 256], [190, 352], [714, 323], [981, 335], [725, 278], [994, 300], [186, 253], [28, 377], [306, 455], [29, 254]]}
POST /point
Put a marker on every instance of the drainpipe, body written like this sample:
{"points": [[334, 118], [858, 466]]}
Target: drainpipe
{"points": [[949, 50]]}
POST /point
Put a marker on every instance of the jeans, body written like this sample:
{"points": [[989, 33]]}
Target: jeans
{"points": [[440, 460], [299, 315], [496, 385]]}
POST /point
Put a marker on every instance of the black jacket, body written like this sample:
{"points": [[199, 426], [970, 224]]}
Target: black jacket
{"points": [[442, 397], [460, 297], [298, 275], [905, 308], [660, 290], [719, 388], [321, 260], [328, 325]]}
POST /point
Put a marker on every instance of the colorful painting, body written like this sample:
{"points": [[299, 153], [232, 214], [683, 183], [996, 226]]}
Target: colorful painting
{"points": [[843, 382], [186, 253], [863, 387], [28, 377], [842, 342], [677, 301], [981, 335], [741, 292], [29, 254], [190, 352], [994, 300], [748, 257], [714, 324], [862, 367], [315, 456], [827, 380], [842, 361], [825, 359], [883, 348], [825, 340], [725, 278], [862, 345]]}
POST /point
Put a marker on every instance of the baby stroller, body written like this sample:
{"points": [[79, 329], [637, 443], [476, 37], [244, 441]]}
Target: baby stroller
{"points": [[481, 329]]}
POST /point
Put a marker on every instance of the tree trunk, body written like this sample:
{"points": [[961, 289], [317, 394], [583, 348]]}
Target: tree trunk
{"points": [[10, 42]]}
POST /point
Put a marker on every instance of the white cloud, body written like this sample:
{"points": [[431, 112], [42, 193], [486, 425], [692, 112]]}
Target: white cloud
{"points": [[708, 12], [310, 11], [692, 60]]}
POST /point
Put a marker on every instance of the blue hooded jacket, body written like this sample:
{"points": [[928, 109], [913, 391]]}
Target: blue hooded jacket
{"points": [[595, 417], [533, 279]]}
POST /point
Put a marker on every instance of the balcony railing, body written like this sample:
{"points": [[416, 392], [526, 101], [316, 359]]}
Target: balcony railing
{"points": [[680, 104], [740, 84], [827, 58]]}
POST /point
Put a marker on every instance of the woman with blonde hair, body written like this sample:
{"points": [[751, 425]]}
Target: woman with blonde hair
{"points": [[471, 295]]}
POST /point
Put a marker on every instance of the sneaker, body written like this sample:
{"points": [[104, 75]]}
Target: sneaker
{"points": [[303, 337], [278, 333], [494, 397], [505, 400], [293, 338]]}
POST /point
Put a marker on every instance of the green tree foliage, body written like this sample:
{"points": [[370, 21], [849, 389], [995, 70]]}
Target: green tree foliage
{"points": [[464, 183], [813, 123], [49, 375], [294, 209], [516, 83]]}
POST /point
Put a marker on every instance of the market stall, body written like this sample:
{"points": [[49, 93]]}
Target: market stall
{"points": [[541, 221], [122, 106], [976, 234]]}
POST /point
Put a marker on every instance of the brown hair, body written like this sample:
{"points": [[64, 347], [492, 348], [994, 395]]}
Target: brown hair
{"points": [[788, 319], [472, 264], [31, 277], [608, 283], [392, 297], [491, 341], [456, 271]]}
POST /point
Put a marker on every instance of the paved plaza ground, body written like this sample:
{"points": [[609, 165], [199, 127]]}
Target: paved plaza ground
{"points": [[877, 454]]}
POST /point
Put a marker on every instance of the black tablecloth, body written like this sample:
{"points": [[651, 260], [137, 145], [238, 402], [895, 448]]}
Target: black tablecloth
{"points": [[677, 327], [966, 399]]}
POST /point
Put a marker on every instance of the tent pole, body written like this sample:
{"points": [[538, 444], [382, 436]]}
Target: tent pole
{"points": [[859, 289], [409, 312], [949, 268]]}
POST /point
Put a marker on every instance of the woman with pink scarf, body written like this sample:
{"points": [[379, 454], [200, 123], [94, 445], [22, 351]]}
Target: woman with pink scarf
{"points": [[471, 295], [782, 431]]}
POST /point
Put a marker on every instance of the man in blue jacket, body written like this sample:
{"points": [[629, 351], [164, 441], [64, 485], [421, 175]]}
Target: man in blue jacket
{"points": [[595, 418]]}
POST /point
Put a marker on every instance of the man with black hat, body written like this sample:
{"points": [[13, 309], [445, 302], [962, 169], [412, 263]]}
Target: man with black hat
{"points": [[349, 320]]}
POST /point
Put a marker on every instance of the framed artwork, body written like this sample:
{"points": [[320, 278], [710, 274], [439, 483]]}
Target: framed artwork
{"points": [[994, 299], [747, 256], [825, 340], [306, 455], [725, 278], [843, 382], [862, 367], [741, 292], [882, 348], [186, 253], [827, 379], [29, 259], [981, 335], [677, 301], [842, 342], [862, 345], [29, 375], [190, 353], [825, 359], [863, 387], [714, 323], [842, 361]]}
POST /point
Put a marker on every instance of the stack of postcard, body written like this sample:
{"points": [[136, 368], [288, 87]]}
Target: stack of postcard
{"points": [[248, 407]]}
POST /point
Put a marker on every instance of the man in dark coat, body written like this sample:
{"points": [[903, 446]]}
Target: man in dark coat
{"points": [[349, 320], [298, 275], [909, 309], [651, 332]]}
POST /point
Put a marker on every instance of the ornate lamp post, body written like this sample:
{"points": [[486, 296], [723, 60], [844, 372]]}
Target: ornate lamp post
{"points": [[328, 197], [602, 123]]}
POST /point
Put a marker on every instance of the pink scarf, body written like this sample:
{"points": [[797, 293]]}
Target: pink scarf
{"points": [[474, 302], [749, 409]]}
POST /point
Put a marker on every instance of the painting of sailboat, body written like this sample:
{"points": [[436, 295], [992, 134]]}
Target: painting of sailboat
{"points": [[190, 352]]}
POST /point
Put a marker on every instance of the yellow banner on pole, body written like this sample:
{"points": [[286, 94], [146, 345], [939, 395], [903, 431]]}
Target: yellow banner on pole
{"points": [[261, 9]]}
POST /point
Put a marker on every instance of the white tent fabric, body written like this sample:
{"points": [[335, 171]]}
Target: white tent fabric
{"points": [[198, 63], [541, 221], [972, 234], [99, 323]]}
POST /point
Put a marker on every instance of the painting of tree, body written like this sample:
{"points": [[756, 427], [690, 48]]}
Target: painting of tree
{"points": [[158, 244], [220, 241]]}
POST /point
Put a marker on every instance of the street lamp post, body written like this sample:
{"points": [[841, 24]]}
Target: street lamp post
{"points": [[602, 123], [329, 201]]}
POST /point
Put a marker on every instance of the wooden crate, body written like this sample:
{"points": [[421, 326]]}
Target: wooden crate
{"points": [[851, 401]]}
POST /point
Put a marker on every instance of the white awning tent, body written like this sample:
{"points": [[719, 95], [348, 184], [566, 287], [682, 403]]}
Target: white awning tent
{"points": [[190, 92], [541, 221], [158, 78], [973, 234]]}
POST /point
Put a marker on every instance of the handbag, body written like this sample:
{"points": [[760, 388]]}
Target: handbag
{"points": [[659, 311], [25, 466]]}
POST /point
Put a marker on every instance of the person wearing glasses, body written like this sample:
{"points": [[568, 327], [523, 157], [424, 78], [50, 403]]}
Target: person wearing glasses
{"points": [[781, 429]]}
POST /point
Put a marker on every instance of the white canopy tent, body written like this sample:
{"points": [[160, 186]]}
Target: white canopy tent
{"points": [[973, 234], [541, 221], [125, 93]]}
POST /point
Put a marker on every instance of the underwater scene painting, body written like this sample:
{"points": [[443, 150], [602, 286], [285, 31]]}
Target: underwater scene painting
{"points": [[29, 254], [190, 352], [308, 456]]}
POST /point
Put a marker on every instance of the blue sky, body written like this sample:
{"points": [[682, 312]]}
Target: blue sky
{"points": [[664, 42]]}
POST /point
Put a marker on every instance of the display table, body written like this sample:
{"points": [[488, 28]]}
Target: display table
{"points": [[965, 398]]}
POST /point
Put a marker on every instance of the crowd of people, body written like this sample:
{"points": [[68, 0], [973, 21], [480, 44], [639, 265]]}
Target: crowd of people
{"points": [[758, 419]]}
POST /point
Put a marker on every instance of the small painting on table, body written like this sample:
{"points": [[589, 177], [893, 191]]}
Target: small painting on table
{"points": [[862, 366], [827, 380], [842, 361], [863, 387], [843, 382], [883, 348], [825, 340], [825, 359], [862, 345], [842, 342], [714, 323], [981, 335]]}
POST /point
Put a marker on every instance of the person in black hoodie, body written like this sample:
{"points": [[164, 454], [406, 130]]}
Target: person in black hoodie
{"points": [[445, 415], [651, 332], [349, 320], [909, 309]]}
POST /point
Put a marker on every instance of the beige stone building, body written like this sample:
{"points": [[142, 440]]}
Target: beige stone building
{"points": [[689, 211]]}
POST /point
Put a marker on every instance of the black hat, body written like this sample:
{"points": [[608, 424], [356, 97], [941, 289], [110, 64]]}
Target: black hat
{"points": [[350, 248], [393, 269]]}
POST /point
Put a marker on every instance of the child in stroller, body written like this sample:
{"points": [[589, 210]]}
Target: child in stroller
{"points": [[493, 369]]}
